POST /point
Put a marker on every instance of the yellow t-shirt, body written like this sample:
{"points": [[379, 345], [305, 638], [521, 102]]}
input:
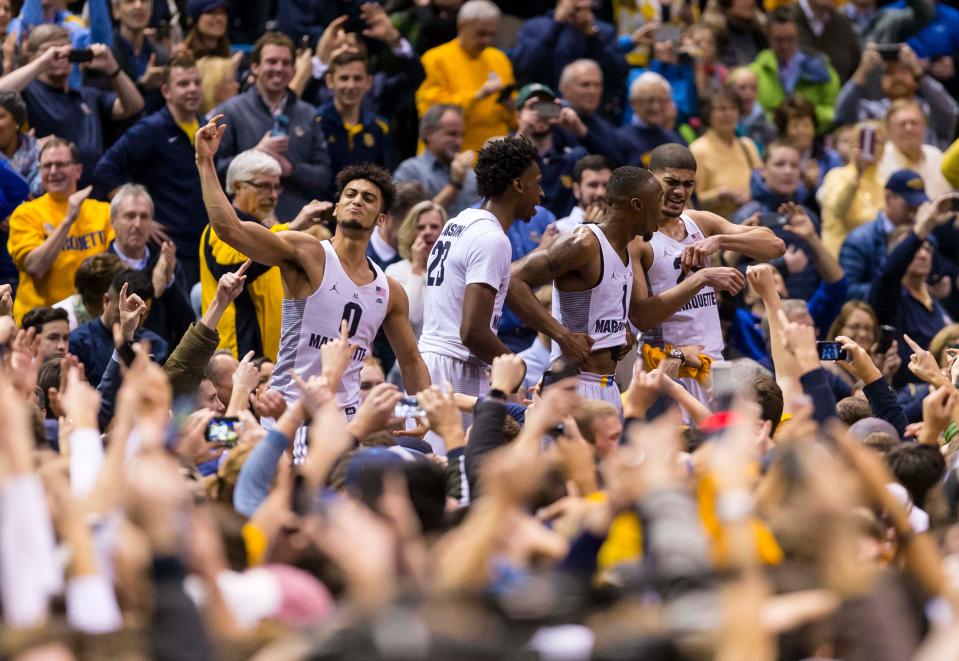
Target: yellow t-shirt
{"points": [[454, 77], [261, 300], [190, 128], [31, 224], [719, 165]]}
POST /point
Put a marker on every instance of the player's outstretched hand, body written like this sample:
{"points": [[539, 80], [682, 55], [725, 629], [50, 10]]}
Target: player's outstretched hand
{"points": [[208, 138]]}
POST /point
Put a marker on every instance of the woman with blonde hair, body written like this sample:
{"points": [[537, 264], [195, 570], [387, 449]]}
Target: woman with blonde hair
{"points": [[857, 320], [418, 232]]}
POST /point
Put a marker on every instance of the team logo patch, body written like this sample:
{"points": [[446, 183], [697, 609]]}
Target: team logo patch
{"points": [[566, 180], [369, 140]]}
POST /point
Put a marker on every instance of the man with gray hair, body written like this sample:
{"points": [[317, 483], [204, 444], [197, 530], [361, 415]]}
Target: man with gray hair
{"points": [[253, 183], [444, 170], [469, 72], [581, 86], [131, 214], [650, 95]]}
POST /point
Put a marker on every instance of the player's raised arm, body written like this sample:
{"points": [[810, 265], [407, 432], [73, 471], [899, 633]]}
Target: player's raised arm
{"points": [[566, 254], [252, 239], [754, 242], [646, 311]]}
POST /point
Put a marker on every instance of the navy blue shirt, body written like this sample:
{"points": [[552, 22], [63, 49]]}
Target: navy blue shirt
{"points": [[75, 115], [557, 170], [157, 153], [368, 141], [92, 344]]}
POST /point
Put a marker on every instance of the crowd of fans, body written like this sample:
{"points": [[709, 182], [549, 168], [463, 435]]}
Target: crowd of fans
{"points": [[775, 475]]}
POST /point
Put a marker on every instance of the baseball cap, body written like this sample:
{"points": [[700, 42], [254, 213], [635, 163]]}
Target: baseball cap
{"points": [[530, 90], [197, 7], [909, 185]]}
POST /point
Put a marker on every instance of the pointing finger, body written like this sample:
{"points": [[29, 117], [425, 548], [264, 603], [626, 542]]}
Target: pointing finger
{"points": [[240, 271]]}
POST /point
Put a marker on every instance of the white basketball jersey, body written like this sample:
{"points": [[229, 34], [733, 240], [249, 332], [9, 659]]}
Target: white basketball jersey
{"points": [[310, 323], [472, 248], [698, 321], [603, 311]]}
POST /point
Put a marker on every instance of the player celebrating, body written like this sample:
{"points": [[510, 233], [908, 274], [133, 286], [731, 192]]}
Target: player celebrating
{"points": [[324, 282], [596, 289], [683, 243], [468, 271]]}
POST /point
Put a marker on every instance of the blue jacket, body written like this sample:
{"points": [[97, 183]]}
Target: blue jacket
{"points": [[799, 285], [92, 344], [862, 254], [368, 142], [941, 37], [601, 138], [894, 305], [557, 170], [636, 141], [544, 47], [157, 153], [682, 80]]}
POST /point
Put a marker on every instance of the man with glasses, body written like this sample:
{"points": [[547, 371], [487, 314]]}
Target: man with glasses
{"points": [[252, 321], [650, 95], [52, 235]]}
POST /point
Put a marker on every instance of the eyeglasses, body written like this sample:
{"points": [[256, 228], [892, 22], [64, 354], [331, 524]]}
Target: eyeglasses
{"points": [[50, 165], [264, 187]]}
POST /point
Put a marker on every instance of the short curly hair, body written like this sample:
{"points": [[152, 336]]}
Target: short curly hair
{"points": [[374, 174], [500, 162]]}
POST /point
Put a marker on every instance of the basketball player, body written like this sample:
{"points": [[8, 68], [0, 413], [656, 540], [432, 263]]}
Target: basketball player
{"points": [[682, 244], [468, 271], [595, 286], [324, 282]]}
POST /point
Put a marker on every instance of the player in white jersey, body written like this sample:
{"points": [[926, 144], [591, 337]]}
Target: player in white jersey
{"points": [[683, 243], [596, 290], [324, 282], [468, 269]]}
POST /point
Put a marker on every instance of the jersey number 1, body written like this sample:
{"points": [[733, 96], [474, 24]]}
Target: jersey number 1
{"points": [[435, 273]]}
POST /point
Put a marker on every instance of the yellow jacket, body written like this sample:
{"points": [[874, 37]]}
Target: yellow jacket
{"points": [[848, 200], [950, 164], [31, 224], [454, 77], [252, 321]]}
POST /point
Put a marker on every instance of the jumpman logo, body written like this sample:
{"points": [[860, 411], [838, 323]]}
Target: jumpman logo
{"points": [[333, 288]]}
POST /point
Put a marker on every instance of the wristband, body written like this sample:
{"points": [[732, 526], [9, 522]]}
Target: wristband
{"points": [[115, 73], [498, 394], [458, 185]]}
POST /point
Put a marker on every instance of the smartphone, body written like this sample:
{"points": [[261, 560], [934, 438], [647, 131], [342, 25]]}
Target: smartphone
{"points": [[886, 336], [79, 55], [408, 407], [867, 143], [889, 52], [772, 219], [223, 430], [547, 109], [281, 125], [506, 93], [668, 33], [725, 387], [831, 351]]}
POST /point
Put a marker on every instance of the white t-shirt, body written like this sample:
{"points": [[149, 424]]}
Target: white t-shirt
{"points": [[472, 249]]}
